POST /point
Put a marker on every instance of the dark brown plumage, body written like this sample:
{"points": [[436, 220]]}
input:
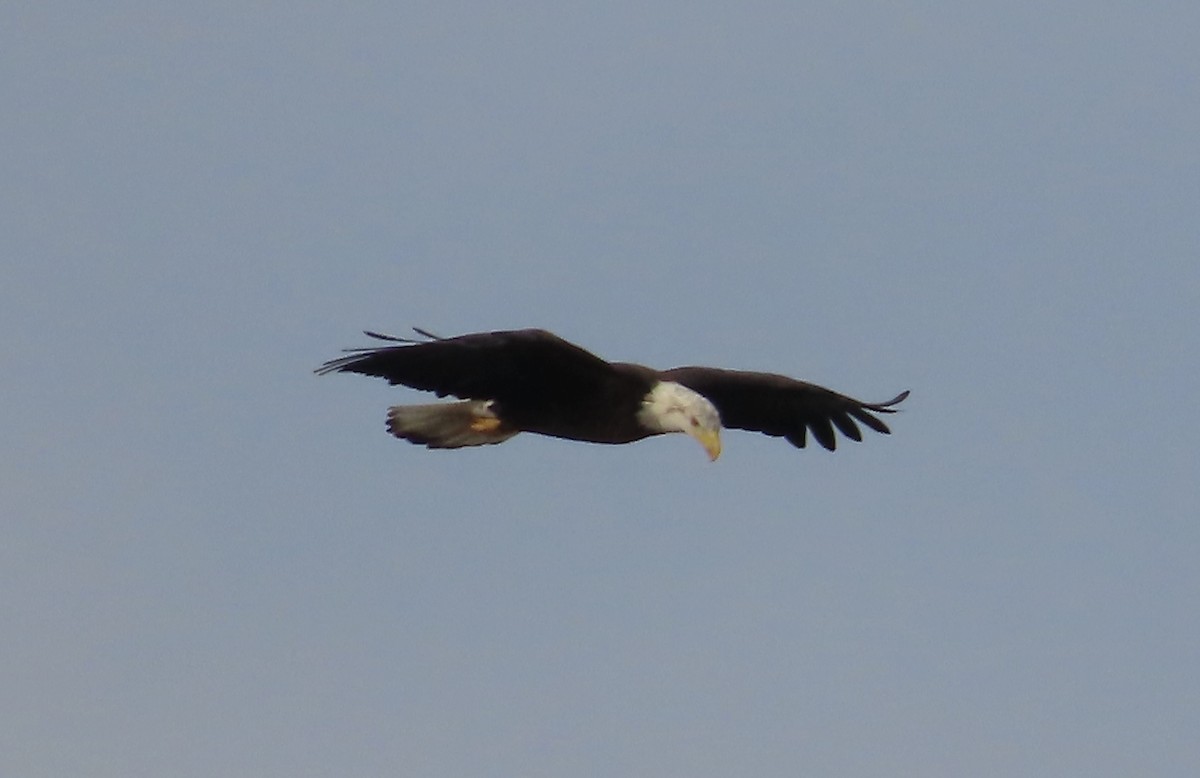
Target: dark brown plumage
{"points": [[534, 381], [782, 407]]}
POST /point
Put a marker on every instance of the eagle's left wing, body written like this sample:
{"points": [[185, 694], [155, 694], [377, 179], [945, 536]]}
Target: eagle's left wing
{"points": [[783, 407]]}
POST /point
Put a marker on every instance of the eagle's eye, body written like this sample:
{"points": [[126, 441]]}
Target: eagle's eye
{"points": [[694, 421]]}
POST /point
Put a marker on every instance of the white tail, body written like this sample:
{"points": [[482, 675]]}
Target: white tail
{"points": [[448, 425]]}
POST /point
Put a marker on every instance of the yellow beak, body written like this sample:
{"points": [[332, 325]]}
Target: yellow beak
{"points": [[711, 440]]}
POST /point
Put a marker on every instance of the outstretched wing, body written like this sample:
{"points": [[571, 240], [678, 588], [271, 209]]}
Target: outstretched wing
{"points": [[783, 407], [521, 365]]}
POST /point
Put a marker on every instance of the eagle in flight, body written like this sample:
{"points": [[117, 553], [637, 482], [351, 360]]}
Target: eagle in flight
{"points": [[534, 381]]}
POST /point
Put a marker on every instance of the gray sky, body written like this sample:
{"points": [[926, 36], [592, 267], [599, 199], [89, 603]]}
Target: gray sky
{"points": [[216, 564]]}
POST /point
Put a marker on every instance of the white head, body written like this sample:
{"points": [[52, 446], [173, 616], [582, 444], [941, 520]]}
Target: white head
{"points": [[672, 407]]}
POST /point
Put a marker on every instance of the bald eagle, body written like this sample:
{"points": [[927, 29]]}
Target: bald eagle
{"points": [[534, 381]]}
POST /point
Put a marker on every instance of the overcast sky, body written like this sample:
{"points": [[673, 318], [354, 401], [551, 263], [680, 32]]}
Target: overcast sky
{"points": [[217, 564]]}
